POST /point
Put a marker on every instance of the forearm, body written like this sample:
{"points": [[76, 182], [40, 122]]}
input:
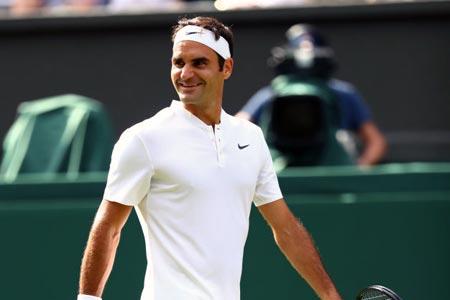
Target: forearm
{"points": [[374, 145], [98, 259], [297, 245], [372, 153]]}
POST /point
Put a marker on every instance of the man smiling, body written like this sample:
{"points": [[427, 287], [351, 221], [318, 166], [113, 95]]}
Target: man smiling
{"points": [[198, 73], [192, 172]]}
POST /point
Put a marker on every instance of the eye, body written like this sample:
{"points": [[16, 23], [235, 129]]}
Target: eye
{"points": [[200, 63], [178, 63]]}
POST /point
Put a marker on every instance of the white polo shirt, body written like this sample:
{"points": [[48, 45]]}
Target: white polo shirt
{"points": [[192, 188]]}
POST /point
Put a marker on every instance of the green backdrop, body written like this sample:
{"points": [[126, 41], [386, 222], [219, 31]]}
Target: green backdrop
{"points": [[387, 225]]}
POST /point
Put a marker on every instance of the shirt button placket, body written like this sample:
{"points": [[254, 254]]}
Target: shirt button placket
{"points": [[219, 146]]}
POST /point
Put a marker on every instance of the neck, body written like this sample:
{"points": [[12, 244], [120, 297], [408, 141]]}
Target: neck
{"points": [[209, 115]]}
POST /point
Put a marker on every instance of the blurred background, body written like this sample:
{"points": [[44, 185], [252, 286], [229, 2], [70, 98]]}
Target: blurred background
{"points": [[387, 224], [395, 53]]}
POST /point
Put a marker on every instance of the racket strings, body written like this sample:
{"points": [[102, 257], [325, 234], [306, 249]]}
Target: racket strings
{"points": [[373, 295]]}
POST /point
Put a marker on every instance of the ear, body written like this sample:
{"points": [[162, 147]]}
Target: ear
{"points": [[228, 67]]}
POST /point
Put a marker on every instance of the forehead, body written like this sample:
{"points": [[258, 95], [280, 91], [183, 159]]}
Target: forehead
{"points": [[192, 50]]}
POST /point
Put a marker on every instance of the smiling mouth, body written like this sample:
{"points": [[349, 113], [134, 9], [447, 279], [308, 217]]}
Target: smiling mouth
{"points": [[188, 85]]}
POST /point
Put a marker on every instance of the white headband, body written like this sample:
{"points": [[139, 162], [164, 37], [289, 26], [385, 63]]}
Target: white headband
{"points": [[205, 37]]}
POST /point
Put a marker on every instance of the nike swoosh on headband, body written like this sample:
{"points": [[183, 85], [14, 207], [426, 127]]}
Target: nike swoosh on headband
{"points": [[205, 37]]}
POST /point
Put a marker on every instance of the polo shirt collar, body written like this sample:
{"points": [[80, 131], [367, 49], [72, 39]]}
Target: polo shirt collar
{"points": [[178, 108]]}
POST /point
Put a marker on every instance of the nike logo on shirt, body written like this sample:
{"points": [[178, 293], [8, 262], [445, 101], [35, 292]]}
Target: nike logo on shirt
{"points": [[243, 146]]}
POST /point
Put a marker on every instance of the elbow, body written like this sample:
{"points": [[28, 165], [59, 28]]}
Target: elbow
{"points": [[286, 236], [115, 237], [280, 240], [103, 231], [382, 147], [380, 143], [284, 243]]}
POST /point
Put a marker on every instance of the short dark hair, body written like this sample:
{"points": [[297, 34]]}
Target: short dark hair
{"points": [[212, 24]]}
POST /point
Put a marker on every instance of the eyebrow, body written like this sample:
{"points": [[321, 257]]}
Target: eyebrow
{"points": [[201, 59]]}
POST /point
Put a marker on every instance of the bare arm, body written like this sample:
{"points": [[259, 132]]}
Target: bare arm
{"points": [[296, 244], [101, 247], [374, 144]]}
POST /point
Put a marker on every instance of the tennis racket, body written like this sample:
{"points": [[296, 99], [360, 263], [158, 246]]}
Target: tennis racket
{"points": [[377, 292]]}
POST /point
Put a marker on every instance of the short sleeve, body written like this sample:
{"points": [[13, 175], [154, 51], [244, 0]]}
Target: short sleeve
{"points": [[355, 111], [360, 111], [130, 171], [267, 187]]}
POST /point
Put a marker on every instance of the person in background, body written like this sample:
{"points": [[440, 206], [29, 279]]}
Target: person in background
{"points": [[192, 172], [24, 8], [141, 5], [312, 57]]}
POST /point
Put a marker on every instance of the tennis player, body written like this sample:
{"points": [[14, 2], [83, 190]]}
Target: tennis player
{"points": [[192, 172]]}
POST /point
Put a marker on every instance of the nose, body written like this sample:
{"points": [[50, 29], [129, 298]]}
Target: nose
{"points": [[186, 72]]}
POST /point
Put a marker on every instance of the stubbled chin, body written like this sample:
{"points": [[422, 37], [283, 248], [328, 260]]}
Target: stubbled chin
{"points": [[188, 93], [186, 98]]}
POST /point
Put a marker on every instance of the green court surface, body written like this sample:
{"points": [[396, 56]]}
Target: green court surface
{"points": [[388, 225]]}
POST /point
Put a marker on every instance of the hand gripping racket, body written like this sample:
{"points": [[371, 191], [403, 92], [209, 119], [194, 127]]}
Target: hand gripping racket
{"points": [[377, 292]]}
